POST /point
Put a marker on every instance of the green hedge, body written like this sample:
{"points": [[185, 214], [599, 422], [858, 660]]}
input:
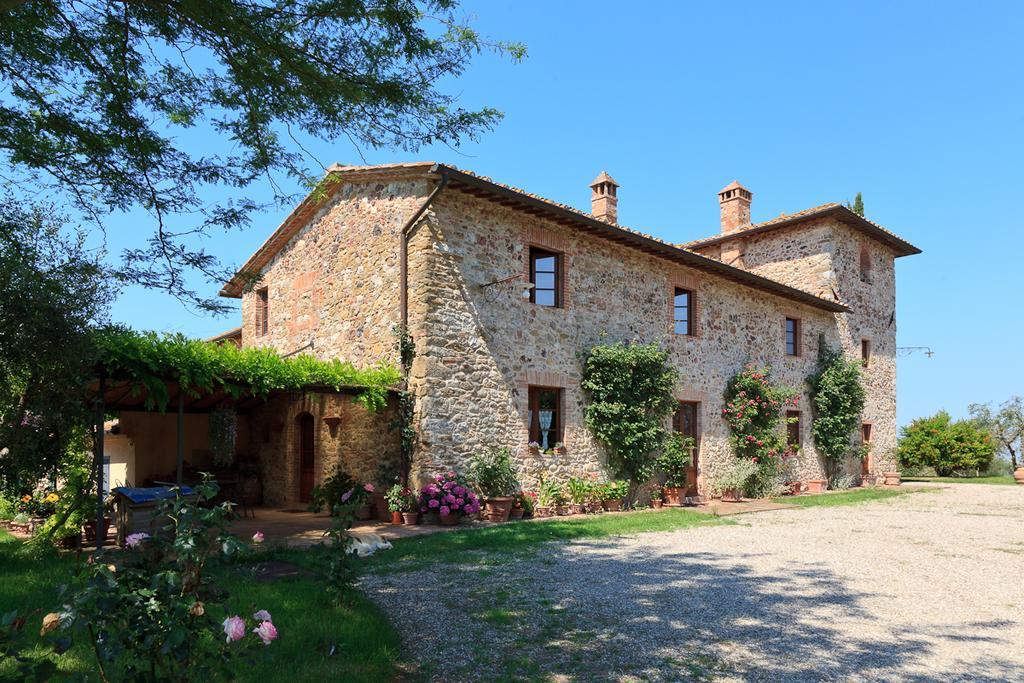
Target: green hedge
{"points": [[199, 366]]}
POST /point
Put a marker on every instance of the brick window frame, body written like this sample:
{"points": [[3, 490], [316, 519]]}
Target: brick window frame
{"points": [[794, 430], [569, 411], [537, 237], [864, 258], [261, 300], [798, 336], [691, 285], [801, 346]]}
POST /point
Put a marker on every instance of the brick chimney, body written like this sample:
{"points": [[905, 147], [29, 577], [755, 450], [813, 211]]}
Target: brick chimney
{"points": [[734, 200], [604, 201]]}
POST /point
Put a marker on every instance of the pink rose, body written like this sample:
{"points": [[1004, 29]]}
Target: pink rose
{"points": [[257, 537], [369, 489], [266, 632], [262, 615], [234, 628]]}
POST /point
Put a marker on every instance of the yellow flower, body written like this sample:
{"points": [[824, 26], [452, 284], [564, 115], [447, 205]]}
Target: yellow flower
{"points": [[52, 498], [26, 498]]}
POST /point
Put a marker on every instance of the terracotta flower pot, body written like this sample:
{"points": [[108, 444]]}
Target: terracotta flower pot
{"points": [[674, 496], [498, 509], [541, 511], [410, 518], [816, 485], [892, 478], [396, 517], [516, 513], [561, 510], [89, 528], [579, 509], [612, 505], [364, 512], [450, 520], [794, 487], [1018, 475], [594, 507], [657, 503], [732, 496]]}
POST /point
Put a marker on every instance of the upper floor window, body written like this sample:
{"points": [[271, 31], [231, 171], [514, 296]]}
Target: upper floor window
{"points": [[793, 428], [545, 416], [865, 433], [262, 311], [682, 307], [865, 352], [865, 264], [546, 277], [792, 337]]}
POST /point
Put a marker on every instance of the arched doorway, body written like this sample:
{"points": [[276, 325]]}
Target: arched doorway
{"points": [[305, 431]]}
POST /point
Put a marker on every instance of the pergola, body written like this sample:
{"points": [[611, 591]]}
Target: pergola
{"points": [[121, 394]]}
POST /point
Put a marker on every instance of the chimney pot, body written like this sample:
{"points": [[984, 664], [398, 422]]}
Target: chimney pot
{"points": [[734, 201], [604, 199]]}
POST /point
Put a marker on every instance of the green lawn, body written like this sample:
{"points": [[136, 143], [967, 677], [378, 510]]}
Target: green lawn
{"points": [[996, 479], [366, 646], [515, 539], [847, 497]]}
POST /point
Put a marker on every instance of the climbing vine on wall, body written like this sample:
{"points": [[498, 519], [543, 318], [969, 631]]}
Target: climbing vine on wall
{"points": [[630, 387], [837, 398], [404, 421]]}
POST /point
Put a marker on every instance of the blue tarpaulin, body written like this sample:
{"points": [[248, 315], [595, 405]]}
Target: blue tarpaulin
{"points": [[152, 493]]}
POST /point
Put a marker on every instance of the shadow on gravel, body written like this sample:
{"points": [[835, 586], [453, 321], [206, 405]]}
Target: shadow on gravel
{"points": [[694, 616]]}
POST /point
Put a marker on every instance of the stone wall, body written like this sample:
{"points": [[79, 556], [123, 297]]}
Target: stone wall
{"points": [[345, 433], [479, 348], [823, 257]]}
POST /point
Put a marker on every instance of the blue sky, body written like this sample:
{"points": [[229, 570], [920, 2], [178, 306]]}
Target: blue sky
{"points": [[917, 105]]}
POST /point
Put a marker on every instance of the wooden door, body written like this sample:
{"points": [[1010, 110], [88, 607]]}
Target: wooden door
{"points": [[305, 457], [865, 435], [686, 422]]}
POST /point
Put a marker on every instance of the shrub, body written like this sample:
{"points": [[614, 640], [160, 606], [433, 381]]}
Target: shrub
{"points": [[837, 397], [527, 500], [945, 445], [401, 499], [550, 493], [614, 490], [740, 476], [329, 493], [630, 387], [578, 489], [675, 459], [449, 494], [493, 473]]}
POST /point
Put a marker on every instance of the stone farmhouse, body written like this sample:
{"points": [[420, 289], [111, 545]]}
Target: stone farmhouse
{"points": [[501, 290]]}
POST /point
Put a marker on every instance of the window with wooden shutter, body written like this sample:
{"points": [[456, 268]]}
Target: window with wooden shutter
{"points": [[262, 311]]}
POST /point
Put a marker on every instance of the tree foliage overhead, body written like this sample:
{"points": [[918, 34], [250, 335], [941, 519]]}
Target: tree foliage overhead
{"points": [[53, 292], [99, 97], [1006, 424], [946, 446], [630, 388]]}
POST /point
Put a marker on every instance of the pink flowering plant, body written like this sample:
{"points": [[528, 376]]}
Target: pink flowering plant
{"points": [[449, 494], [152, 611], [755, 413]]}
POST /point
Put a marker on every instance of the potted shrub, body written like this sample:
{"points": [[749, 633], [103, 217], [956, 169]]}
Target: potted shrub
{"points": [[579, 491], [397, 499], [612, 494], [594, 496], [673, 463], [335, 490], [735, 480], [548, 496], [450, 497], [525, 501], [495, 477], [656, 500]]}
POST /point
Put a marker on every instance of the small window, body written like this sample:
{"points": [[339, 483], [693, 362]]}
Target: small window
{"points": [[792, 337], [865, 264], [682, 307], [793, 428], [865, 352], [545, 416], [546, 277], [262, 311], [865, 432]]}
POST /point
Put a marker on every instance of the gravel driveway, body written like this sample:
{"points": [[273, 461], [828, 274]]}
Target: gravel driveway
{"points": [[924, 587]]}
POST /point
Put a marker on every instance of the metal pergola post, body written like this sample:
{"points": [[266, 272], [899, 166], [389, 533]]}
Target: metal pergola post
{"points": [[101, 530]]}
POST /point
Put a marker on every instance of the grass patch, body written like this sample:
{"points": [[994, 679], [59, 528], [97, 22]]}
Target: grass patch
{"points": [[1000, 479], [318, 640], [848, 497], [509, 541]]}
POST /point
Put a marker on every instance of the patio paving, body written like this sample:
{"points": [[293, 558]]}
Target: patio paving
{"points": [[300, 529]]}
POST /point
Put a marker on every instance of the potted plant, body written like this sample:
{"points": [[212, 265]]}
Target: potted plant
{"points": [[612, 494], [579, 491], [674, 463], [594, 496], [450, 497], [524, 504], [735, 480], [337, 489], [495, 477], [548, 496], [656, 501], [397, 499], [534, 448], [560, 449]]}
